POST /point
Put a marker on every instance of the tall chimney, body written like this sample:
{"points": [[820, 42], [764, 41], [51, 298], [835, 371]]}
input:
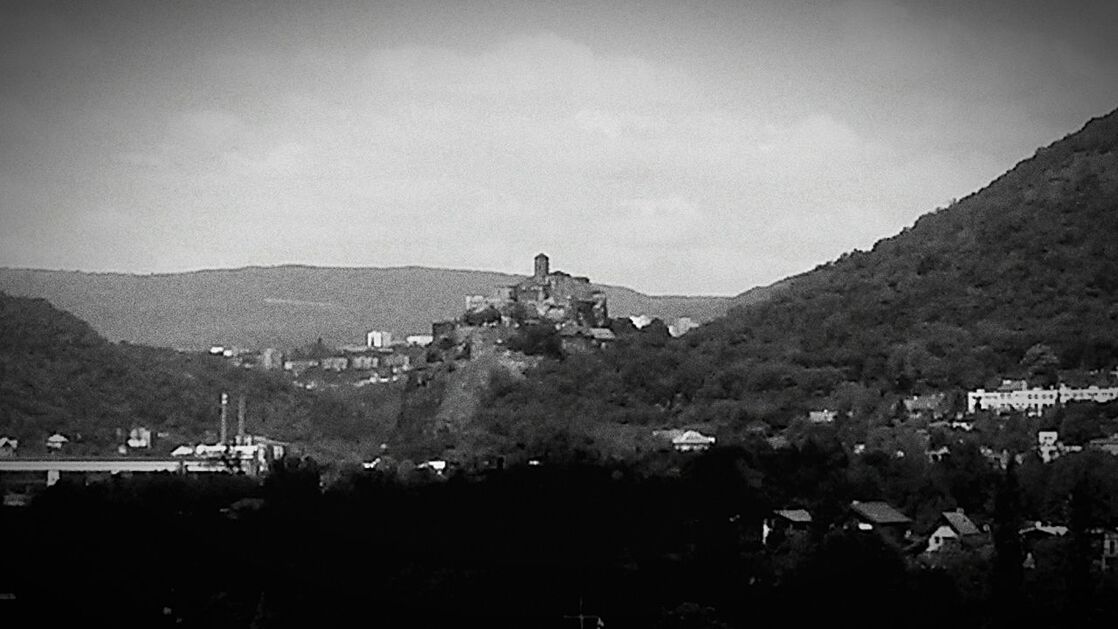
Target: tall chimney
{"points": [[241, 421], [224, 418]]}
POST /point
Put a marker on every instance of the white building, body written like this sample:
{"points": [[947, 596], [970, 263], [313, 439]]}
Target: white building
{"points": [[824, 416], [139, 437], [692, 441], [422, 340], [682, 326], [378, 338], [271, 358], [1034, 401], [56, 441], [640, 321], [1049, 446]]}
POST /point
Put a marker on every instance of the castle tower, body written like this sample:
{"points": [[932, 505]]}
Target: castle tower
{"points": [[541, 268]]}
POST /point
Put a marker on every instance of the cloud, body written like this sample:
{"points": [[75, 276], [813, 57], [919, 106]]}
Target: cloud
{"points": [[706, 152], [535, 141]]}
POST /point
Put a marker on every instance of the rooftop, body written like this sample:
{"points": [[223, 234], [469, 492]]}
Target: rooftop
{"points": [[794, 515], [878, 512], [960, 523]]}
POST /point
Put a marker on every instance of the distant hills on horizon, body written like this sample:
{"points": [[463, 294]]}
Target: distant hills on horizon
{"points": [[290, 305]]}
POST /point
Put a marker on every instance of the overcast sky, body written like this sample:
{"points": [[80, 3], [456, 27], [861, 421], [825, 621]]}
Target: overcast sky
{"points": [[675, 147]]}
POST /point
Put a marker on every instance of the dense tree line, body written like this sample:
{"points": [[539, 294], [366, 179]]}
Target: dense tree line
{"points": [[523, 546]]}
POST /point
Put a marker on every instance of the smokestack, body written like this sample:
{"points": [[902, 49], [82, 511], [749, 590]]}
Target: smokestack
{"points": [[224, 418], [241, 421]]}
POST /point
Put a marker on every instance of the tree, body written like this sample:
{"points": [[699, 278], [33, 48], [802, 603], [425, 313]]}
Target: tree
{"points": [[1008, 572], [1042, 365], [486, 316]]}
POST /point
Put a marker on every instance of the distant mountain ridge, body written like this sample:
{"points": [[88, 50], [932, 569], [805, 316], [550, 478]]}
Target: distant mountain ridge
{"points": [[286, 306]]}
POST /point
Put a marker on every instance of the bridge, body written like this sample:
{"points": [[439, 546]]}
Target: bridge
{"points": [[55, 467]]}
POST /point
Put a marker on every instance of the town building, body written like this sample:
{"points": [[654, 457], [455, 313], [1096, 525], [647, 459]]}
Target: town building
{"points": [[334, 363], [420, 340], [299, 365], [1108, 445], [378, 338], [1011, 396], [364, 362], [938, 455], [682, 326], [395, 363], [823, 416], [56, 441], [1109, 554], [932, 406], [683, 440], [1049, 446], [8, 446], [271, 358], [576, 339], [139, 437]]}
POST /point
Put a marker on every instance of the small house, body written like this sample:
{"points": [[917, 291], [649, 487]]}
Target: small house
{"points": [[183, 451], [56, 441], [1109, 547], [955, 528], [1108, 445], [881, 517], [139, 437], [299, 365], [785, 521], [602, 336], [364, 362], [823, 416], [931, 406], [938, 455], [8, 447], [692, 441]]}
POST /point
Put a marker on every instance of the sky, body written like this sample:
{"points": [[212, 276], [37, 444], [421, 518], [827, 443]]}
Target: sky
{"points": [[672, 147]]}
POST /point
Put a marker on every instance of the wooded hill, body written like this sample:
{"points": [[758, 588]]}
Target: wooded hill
{"points": [[58, 374], [1029, 262]]}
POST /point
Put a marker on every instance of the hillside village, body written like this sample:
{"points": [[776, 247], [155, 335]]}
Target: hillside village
{"points": [[869, 413]]}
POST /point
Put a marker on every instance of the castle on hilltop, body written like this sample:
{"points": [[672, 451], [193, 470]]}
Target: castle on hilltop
{"points": [[547, 295]]}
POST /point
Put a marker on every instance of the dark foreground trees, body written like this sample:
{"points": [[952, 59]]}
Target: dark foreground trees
{"points": [[523, 546]]}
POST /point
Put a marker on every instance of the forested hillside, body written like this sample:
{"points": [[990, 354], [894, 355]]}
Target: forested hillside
{"points": [[963, 293], [1028, 263], [57, 374]]}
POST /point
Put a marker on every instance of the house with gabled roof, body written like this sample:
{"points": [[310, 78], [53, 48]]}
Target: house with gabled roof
{"points": [[8, 446], [881, 517], [955, 528], [785, 521], [692, 441]]}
